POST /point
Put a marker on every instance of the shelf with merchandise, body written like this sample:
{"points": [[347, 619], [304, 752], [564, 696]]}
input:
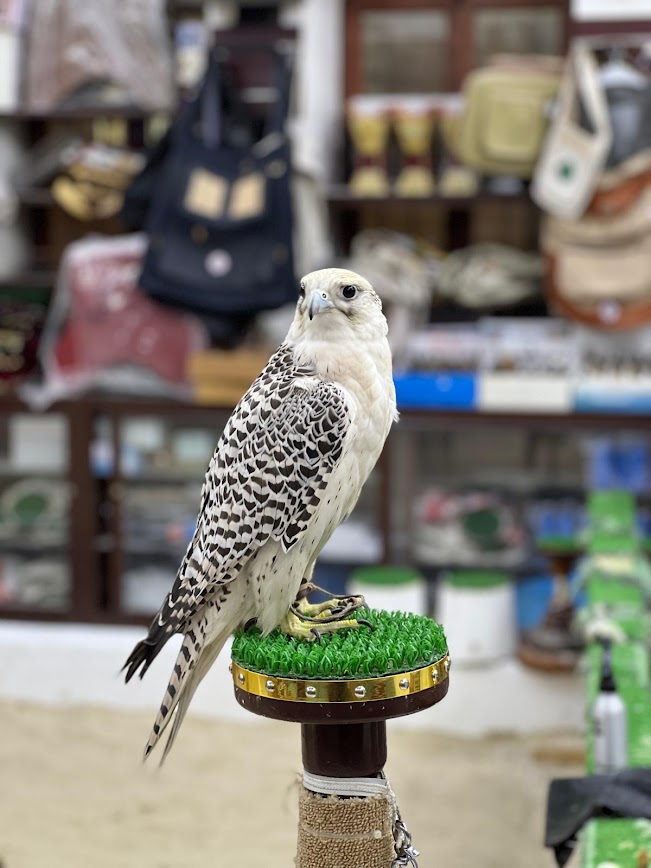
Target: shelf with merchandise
{"points": [[82, 113], [341, 196]]}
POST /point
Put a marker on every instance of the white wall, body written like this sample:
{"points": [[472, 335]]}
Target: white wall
{"points": [[55, 664]]}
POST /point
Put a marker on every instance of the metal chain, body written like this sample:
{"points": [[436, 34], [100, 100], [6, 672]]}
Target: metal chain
{"points": [[405, 853]]}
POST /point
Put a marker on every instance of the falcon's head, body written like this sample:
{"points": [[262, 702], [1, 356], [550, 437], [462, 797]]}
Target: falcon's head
{"points": [[335, 300]]}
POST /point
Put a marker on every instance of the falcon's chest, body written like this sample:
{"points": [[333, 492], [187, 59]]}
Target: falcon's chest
{"points": [[365, 378]]}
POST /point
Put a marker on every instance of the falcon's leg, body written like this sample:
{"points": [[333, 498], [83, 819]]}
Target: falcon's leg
{"points": [[337, 609], [311, 629]]}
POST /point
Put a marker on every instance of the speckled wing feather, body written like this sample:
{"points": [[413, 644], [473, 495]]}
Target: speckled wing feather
{"points": [[264, 482]]}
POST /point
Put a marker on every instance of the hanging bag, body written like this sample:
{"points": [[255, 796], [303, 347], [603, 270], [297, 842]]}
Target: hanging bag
{"points": [[220, 223], [573, 157]]}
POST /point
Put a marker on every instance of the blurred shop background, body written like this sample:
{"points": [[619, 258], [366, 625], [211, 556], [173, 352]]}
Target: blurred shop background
{"points": [[446, 151], [169, 170]]}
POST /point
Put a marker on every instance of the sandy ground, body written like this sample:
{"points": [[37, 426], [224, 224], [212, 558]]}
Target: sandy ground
{"points": [[74, 794]]}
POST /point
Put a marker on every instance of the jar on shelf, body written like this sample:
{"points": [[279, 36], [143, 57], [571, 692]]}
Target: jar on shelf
{"points": [[478, 613], [390, 587]]}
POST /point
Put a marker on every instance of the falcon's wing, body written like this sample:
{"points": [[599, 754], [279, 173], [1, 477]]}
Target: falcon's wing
{"points": [[265, 480]]}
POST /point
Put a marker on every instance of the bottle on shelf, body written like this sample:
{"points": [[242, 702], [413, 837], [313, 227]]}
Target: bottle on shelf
{"points": [[609, 720]]}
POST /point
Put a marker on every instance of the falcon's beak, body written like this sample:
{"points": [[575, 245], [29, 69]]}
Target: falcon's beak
{"points": [[319, 302]]}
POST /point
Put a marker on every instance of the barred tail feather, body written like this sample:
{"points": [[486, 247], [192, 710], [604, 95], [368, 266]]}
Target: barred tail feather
{"points": [[205, 661], [191, 665]]}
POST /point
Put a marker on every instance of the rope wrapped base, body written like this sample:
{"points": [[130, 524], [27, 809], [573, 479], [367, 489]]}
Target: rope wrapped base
{"points": [[342, 691], [335, 832]]}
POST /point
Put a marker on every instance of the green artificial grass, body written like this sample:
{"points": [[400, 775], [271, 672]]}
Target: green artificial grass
{"points": [[400, 642]]}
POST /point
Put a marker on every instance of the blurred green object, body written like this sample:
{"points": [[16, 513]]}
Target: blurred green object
{"points": [[615, 842], [611, 523], [617, 579], [484, 528]]}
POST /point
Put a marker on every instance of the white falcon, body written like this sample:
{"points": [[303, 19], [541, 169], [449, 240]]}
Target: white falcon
{"points": [[287, 470]]}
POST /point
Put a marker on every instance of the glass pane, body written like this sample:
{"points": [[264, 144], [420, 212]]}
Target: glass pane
{"points": [[404, 51], [145, 582], [163, 462], [166, 449], [34, 511], [517, 30]]}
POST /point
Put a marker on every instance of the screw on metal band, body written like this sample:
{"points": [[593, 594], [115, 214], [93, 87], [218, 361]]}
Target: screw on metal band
{"points": [[341, 690]]}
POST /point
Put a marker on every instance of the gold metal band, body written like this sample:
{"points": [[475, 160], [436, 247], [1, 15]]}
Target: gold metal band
{"points": [[341, 690]]}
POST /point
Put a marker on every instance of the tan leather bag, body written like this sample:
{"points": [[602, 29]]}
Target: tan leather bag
{"points": [[599, 267], [503, 124]]}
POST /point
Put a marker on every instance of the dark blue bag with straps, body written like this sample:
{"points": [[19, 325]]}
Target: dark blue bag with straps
{"points": [[220, 221]]}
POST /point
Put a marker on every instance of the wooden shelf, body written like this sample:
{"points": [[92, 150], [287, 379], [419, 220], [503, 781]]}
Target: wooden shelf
{"points": [[36, 196], [83, 113], [537, 421], [27, 613], [340, 196], [409, 418], [36, 278]]}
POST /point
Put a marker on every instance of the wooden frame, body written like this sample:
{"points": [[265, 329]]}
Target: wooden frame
{"points": [[461, 14]]}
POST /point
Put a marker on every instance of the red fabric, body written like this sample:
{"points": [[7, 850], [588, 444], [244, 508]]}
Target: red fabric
{"points": [[112, 322]]}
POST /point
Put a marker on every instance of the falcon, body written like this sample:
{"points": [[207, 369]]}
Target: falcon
{"points": [[288, 469]]}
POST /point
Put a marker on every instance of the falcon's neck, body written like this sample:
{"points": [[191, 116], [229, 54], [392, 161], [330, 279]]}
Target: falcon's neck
{"points": [[363, 368]]}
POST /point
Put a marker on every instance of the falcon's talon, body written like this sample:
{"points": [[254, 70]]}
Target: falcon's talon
{"points": [[250, 624], [298, 626], [329, 611], [366, 624]]}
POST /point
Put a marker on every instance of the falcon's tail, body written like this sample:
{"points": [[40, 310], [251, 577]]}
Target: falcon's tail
{"points": [[192, 663]]}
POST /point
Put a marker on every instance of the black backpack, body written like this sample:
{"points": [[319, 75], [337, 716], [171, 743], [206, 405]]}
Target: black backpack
{"points": [[220, 217]]}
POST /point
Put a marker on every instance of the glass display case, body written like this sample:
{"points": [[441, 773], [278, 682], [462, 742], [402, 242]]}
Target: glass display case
{"points": [[492, 489], [429, 46], [149, 464], [35, 500]]}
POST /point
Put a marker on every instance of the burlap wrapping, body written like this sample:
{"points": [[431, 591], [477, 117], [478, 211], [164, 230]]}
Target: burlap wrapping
{"points": [[336, 832]]}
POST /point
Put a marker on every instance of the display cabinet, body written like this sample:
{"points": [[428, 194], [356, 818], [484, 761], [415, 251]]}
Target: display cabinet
{"points": [[427, 46], [148, 460], [99, 498], [533, 471], [46, 513]]}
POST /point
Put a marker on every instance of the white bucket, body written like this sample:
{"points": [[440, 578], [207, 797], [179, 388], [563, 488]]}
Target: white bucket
{"points": [[396, 589], [477, 611]]}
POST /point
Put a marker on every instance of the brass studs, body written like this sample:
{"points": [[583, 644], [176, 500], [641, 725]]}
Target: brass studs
{"points": [[404, 684], [270, 685], [310, 691], [360, 691]]}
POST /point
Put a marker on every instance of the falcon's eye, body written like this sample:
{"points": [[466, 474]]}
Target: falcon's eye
{"points": [[301, 292], [349, 291]]}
